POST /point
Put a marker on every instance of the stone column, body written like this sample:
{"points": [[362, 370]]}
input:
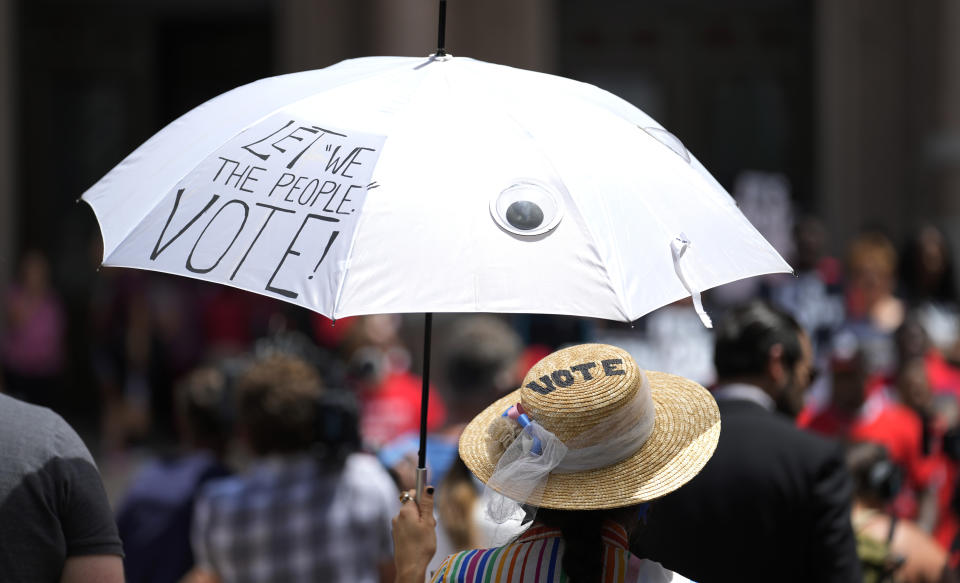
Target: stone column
{"points": [[520, 34], [943, 148], [406, 28], [8, 156], [311, 34], [863, 154]]}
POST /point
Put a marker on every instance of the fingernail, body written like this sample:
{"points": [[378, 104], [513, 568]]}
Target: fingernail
{"points": [[430, 490]]}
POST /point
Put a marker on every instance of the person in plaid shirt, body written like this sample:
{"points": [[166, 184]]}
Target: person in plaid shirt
{"points": [[293, 516]]}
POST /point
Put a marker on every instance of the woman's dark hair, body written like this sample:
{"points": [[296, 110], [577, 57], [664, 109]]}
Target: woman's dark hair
{"points": [[336, 428], [745, 335], [479, 354], [203, 405], [583, 547], [918, 285], [876, 479]]}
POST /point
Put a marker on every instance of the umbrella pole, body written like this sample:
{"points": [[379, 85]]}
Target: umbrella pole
{"points": [[424, 402], [441, 29]]}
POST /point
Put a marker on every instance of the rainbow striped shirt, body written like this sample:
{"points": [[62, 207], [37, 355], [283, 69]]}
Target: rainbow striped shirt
{"points": [[535, 557]]}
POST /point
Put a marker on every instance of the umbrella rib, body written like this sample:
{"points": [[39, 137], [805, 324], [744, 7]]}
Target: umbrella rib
{"points": [[363, 216], [346, 270]]}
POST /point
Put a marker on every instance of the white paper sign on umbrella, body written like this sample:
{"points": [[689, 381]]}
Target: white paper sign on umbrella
{"points": [[272, 211]]}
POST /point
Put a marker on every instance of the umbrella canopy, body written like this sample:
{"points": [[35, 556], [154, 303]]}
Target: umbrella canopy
{"points": [[439, 184]]}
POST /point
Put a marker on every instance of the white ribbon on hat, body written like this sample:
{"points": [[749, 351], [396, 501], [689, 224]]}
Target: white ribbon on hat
{"points": [[523, 473]]}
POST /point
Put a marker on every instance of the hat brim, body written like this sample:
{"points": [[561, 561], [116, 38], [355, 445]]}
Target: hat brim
{"points": [[685, 433]]}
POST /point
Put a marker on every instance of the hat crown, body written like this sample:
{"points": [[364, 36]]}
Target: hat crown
{"points": [[575, 389]]}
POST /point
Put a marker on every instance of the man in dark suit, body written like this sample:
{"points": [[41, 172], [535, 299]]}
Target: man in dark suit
{"points": [[773, 504]]}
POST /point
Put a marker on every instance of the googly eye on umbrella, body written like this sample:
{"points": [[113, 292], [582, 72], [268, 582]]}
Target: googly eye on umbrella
{"points": [[527, 208]]}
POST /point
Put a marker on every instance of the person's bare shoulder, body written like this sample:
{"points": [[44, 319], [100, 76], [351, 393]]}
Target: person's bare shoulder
{"points": [[924, 557], [924, 560]]}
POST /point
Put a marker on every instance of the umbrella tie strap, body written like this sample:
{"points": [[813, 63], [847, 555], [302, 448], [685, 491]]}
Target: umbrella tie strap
{"points": [[680, 246]]}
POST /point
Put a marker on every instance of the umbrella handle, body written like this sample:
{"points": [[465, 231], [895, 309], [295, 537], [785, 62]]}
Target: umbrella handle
{"points": [[421, 483]]}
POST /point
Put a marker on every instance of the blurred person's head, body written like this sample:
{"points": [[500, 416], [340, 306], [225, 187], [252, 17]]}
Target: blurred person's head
{"points": [[337, 433], [871, 268], [34, 272], [927, 266], [277, 399], [367, 368], [947, 409], [810, 239], [298, 345], [374, 349], [480, 362], [848, 373], [911, 340], [913, 385], [379, 330], [203, 409], [762, 345], [876, 479]]}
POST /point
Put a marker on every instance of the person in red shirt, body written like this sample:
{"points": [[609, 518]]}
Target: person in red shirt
{"points": [[390, 403], [861, 409], [938, 470], [388, 392], [913, 341], [848, 397]]}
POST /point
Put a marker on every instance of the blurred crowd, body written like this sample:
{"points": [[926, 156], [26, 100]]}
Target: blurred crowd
{"points": [[205, 393]]}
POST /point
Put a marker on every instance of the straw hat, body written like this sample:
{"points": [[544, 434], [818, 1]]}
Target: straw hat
{"points": [[568, 402]]}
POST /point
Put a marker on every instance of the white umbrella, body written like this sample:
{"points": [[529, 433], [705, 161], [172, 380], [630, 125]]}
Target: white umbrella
{"points": [[439, 184], [389, 185]]}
